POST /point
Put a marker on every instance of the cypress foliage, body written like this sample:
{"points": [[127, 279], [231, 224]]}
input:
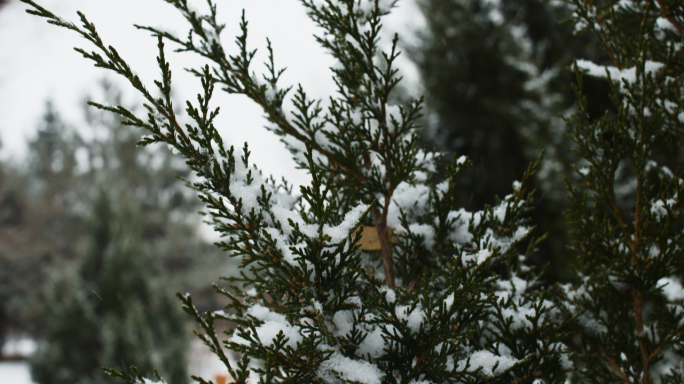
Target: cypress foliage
{"points": [[443, 295], [628, 217]]}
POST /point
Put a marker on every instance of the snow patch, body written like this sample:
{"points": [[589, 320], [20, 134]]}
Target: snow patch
{"points": [[413, 318], [672, 288], [627, 75], [487, 360], [340, 366], [273, 324]]}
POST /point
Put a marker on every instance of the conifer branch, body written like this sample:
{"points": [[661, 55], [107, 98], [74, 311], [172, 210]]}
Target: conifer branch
{"points": [[643, 348], [308, 304], [667, 13], [616, 367]]}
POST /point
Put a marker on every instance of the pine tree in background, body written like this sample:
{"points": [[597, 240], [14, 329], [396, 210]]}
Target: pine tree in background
{"points": [[45, 209], [494, 74], [54, 154], [497, 75], [628, 221], [113, 309], [11, 213], [110, 315], [40, 230], [371, 274]]}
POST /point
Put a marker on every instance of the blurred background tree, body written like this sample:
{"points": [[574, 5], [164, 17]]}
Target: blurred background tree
{"points": [[10, 213], [110, 313], [48, 214], [497, 76], [41, 231]]}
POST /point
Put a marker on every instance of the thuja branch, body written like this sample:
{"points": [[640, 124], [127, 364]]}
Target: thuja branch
{"points": [[206, 321], [234, 73], [235, 77], [584, 11], [666, 11], [616, 367]]}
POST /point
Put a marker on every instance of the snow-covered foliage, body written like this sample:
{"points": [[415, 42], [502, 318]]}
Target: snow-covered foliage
{"points": [[445, 297], [628, 221]]}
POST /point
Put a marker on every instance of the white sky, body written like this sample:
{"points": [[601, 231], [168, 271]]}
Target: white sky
{"points": [[37, 62]]}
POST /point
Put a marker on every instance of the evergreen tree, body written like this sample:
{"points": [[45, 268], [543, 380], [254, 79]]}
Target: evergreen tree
{"points": [[45, 217], [493, 74], [110, 314], [371, 274], [497, 76], [54, 154], [11, 212], [39, 229], [628, 217], [44, 209]]}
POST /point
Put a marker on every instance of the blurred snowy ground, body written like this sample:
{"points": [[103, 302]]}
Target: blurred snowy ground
{"points": [[201, 362], [14, 372]]}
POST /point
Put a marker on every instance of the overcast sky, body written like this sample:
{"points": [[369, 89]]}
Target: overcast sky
{"points": [[37, 63]]}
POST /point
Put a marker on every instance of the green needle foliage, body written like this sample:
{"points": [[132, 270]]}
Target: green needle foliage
{"points": [[628, 220], [445, 297]]}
